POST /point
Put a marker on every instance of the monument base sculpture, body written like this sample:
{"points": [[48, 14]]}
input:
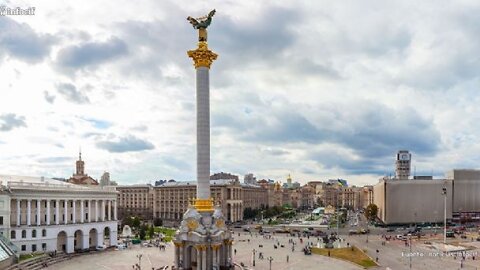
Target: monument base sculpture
{"points": [[203, 241]]}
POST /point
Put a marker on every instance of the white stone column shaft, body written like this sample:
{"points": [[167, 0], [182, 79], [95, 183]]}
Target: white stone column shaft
{"points": [[177, 256], [115, 210], [65, 210], [29, 210], [74, 212], [203, 133], [109, 209], [96, 210], [82, 211], [199, 259], [102, 213], [18, 212], [204, 259], [89, 210], [57, 212], [48, 213], [38, 212]]}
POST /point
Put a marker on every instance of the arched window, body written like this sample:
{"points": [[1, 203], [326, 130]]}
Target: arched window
{"points": [[34, 233], [24, 234], [13, 234], [44, 233]]}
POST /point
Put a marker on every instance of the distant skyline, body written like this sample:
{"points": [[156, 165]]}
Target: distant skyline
{"points": [[323, 90]]}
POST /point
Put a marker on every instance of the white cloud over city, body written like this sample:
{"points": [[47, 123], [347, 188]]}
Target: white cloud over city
{"points": [[325, 89]]}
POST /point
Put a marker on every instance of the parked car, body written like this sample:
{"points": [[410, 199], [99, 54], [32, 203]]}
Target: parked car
{"points": [[390, 229], [121, 246], [102, 247]]}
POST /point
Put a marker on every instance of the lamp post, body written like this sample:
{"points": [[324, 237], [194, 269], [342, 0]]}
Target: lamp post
{"points": [[253, 263], [410, 244], [444, 192], [270, 259], [139, 256]]}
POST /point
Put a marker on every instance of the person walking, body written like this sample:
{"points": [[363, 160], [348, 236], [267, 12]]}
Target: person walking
{"points": [[287, 258]]}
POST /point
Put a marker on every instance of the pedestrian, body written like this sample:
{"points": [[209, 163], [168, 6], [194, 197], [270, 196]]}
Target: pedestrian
{"points": [[235, 251], [287, 258]]}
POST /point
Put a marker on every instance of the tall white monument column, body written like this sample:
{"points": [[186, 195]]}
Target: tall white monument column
{"points": [[202, 216], [203, 58]]}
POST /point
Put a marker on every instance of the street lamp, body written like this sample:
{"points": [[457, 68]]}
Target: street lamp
{"points": [[270, 259], [444, 192], [139, 256]]}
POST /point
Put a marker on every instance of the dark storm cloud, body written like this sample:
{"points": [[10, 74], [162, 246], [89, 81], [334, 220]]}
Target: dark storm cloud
{"points": [[166, 41], [91, 53], [10, 121], [125, 144], [20, 41], [370, 129], [330, 159], [71, 93]]}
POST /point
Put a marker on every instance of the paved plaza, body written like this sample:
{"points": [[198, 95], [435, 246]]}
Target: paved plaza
{"points": [[153, 257], [391, 255]]}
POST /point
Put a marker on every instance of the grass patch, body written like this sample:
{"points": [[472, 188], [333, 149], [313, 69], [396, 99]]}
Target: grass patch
{"points": [[353, 255], [165, 231], [24, 257]]}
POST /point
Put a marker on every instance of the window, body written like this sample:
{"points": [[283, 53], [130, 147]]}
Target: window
{"points": [[44, 246], [1, 220], [13, 234], [44, 233], [34, 248], [24, 234], [34, 233], [24, 247]]}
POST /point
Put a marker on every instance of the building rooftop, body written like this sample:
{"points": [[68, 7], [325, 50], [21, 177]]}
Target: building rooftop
{"points": [[219, 182], [34, 182]]}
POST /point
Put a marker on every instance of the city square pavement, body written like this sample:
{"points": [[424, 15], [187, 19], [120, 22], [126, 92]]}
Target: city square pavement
{"points": [[153, 257], [392, 255]]}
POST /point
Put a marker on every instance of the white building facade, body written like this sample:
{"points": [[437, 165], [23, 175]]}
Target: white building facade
{"points": [[40, 214]]}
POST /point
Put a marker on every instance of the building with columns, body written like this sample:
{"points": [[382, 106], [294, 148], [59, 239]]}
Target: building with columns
{"points": [[171, 198], [42, 214]]}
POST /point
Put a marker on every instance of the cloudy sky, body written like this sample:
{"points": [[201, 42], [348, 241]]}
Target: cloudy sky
{"points": [[329, 89]]}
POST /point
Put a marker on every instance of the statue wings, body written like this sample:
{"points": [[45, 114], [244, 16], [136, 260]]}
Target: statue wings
{"points": [[202, 22]]}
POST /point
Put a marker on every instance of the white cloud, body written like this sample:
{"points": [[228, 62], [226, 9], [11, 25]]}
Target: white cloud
{"points": [[320, 90]]}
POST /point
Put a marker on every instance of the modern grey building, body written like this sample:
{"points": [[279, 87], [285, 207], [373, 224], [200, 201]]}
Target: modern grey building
{"points": [[418, 201]]}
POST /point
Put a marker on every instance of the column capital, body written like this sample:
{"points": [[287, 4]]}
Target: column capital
{"points": [[202, 56]]}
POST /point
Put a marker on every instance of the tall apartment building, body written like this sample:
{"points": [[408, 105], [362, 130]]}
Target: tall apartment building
{"points": [[171, 199], [402, 165], [135, 200]]}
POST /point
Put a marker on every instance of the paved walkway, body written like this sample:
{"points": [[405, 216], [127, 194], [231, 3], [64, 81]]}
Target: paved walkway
{"points": [[153, 257]]}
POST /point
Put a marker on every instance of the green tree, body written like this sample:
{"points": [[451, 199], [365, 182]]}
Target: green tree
{"points": [[143, 232], [151, 231], [371, 211]]}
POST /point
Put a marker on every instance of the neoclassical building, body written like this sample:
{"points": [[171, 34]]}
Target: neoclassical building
{"points": [[42, 214]]}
